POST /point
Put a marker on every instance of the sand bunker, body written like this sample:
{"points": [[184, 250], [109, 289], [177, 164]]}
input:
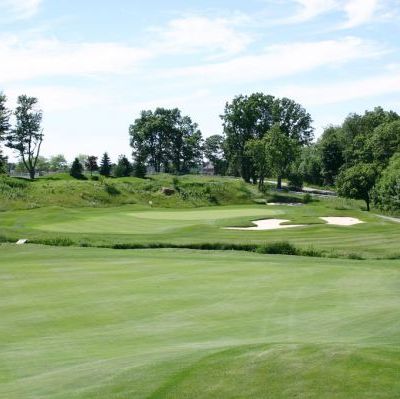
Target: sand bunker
{"points": [[285, 203], [267, 224], [341, 221]]}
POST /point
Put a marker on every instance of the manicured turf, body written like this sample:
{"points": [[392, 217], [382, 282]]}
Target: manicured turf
{"points": [[135, 224], [100, 323]]}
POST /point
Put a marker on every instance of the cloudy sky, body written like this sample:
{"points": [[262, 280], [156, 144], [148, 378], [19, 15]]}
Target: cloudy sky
{"points": [[95, 64]]}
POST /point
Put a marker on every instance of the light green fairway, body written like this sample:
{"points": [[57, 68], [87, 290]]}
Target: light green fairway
{"points": [[99, 323]]}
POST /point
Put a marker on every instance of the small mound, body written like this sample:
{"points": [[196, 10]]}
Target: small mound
{"points": [[267, 224], [342, 221], [289, 371]]}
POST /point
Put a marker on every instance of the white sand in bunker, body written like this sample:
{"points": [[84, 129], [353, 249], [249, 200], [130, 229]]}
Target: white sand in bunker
{"points": [[267, 224], [285, 203], [342, 221]]}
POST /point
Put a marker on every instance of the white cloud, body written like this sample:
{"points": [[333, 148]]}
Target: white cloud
{"points": [[282, 60], [196, 33], [359, 12], [59, 98], [309, 9], [372, 86], [20, 9], [45, 58]]}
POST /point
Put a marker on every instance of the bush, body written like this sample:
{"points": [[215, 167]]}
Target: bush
{"points": [[280, 247], [295, 180], [76, 170], [307, 198]]}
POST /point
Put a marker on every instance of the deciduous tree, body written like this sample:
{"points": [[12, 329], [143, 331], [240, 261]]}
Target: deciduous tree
{"points": [[123, 167], [27, 136], [357, 182], [281, 152], [213, 149], [91, 164]]}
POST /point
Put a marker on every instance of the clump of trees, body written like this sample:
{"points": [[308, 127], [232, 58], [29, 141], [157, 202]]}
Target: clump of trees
{"points": [[166, 141], [281, 124]]}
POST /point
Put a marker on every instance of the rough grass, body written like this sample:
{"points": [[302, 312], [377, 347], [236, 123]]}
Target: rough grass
{"points": [[62, 190]]}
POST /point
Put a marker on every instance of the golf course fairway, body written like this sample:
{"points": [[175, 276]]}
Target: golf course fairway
{"points": [[103, 323]]}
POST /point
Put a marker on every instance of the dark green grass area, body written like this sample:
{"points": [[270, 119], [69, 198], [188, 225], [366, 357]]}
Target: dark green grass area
{"points": [[101, 323], [136, 226]]}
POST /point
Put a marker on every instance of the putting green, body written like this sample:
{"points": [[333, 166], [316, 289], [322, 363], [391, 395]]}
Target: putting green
{"points": [[136, 224], [99, 323], [154, 221]]}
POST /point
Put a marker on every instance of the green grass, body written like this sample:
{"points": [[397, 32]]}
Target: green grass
{"points": [[101, 323], [140, 225], [62, 190]]}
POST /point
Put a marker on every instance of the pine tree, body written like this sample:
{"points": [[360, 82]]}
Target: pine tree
{"points": [[76, 169], [105, 165]]}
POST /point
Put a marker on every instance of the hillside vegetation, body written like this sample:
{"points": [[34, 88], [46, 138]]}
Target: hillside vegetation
{"points": [[162, 190]]}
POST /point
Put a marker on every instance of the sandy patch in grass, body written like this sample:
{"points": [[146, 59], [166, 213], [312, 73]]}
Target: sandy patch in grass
{"points": [[285, 203], [342, 221], [267, 224]]}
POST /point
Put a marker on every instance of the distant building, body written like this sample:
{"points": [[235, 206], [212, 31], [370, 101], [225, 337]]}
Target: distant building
{"points": [[208, 169]]}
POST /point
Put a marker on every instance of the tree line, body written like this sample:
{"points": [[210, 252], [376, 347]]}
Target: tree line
{"points": [[262, 136]]}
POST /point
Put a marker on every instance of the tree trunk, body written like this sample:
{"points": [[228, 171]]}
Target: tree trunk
{"points": [[367, 202], [279, 183], [261, 184], [32, 173]]}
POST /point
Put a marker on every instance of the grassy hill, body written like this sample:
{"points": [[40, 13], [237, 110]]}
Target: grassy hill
{"points": [[62, 190]]}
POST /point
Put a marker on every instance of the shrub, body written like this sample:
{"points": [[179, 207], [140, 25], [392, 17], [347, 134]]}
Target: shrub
{"points": [[280, 247], [295, 180], [307, 198], [76, 170]]}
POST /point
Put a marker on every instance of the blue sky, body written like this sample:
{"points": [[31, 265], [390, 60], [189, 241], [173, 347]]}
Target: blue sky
{"points": [[94, 65]]}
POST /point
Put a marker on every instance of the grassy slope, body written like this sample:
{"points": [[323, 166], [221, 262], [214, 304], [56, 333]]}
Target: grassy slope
{"points": [[62, 190], [140, 224], [98, 323]]}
